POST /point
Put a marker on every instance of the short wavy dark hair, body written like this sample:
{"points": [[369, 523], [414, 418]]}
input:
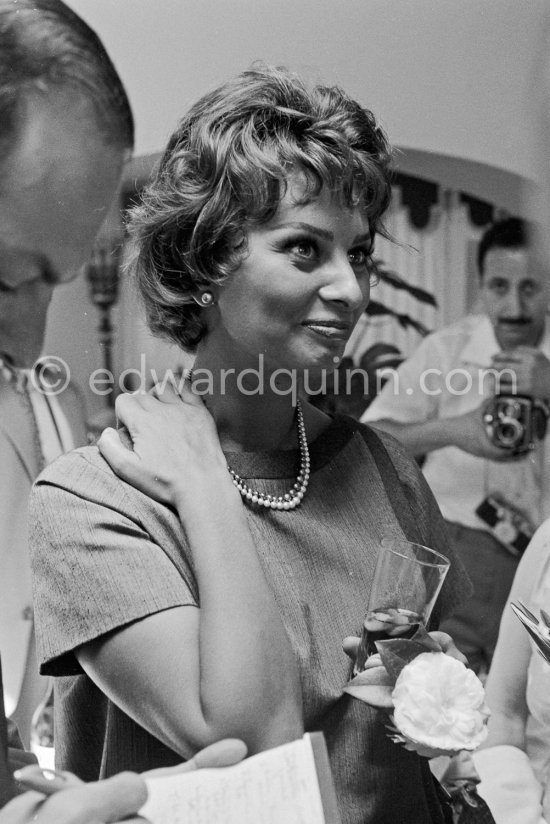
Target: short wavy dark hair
{"points": [[226, 168]]}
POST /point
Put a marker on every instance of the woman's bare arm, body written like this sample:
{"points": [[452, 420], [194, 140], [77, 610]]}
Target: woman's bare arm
{"points": [[192, 676]]}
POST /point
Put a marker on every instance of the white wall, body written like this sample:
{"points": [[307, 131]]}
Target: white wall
{"points": [[447, 76]]}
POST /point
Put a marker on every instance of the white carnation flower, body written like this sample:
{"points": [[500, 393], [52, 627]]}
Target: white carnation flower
{"points": [[439, 706]]}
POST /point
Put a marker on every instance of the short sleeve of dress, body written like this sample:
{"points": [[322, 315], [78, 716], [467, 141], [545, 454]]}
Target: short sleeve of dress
{"points": [[103, 555], [430, 525]]}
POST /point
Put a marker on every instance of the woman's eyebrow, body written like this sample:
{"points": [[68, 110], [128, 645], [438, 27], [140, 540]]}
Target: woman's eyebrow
{"points": [[316, 230], [307, 227]]}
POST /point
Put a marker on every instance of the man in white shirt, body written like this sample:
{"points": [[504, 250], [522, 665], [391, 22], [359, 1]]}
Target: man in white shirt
{"points": [[66, 129], [434, 405]]}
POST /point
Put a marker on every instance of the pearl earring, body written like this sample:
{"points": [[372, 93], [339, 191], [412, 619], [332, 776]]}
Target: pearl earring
{"points": [[204, 299]]}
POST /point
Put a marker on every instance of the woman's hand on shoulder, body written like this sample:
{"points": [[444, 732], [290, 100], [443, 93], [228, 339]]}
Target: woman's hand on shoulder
{"points": [[174, 443]]}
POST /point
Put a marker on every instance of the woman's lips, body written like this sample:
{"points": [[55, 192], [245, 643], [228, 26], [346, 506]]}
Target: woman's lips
{"points": [[338, 330]]}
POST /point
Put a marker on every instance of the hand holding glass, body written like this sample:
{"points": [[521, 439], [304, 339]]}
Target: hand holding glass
{"points": [[407, 580]]}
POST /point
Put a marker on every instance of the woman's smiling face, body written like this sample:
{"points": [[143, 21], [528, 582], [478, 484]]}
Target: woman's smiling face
{"points": [[301, 287]]}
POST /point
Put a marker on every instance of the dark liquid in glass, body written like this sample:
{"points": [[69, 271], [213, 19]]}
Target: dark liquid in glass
{"points": [[381, 624]]}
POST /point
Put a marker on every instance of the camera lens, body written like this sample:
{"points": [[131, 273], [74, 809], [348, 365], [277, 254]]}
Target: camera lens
{"points": [[508, 432]]}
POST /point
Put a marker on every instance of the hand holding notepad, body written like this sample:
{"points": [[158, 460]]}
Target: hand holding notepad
{"points": [[290, 784]]}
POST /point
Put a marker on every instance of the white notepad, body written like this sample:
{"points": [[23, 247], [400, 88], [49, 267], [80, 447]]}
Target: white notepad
{"points": [[290, 784]]}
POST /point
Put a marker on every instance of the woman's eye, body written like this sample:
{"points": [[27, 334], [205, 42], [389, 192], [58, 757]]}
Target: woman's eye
{"points": [[305, 249], [358, 257]]}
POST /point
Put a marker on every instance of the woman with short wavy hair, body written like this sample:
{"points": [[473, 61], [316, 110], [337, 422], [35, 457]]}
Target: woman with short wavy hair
{"points": [[196, 574], [226, 167]]}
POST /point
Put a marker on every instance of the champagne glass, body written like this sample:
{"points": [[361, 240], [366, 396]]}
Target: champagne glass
{"points": [[407, 580]]}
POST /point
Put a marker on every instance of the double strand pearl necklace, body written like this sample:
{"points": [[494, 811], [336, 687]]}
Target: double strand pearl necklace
{"points": [[292, 498]]}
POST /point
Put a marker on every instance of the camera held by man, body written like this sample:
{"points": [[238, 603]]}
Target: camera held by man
{"points": [[515, 422]]}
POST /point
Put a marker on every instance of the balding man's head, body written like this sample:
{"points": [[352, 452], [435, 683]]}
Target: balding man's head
{"points": [[43, 45], [65, 129]]}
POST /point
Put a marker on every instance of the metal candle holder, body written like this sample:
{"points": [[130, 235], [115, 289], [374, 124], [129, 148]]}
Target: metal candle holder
{"points": [[102, 274]]}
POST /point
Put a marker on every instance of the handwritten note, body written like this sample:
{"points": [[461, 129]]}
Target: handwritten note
{"points": [[279, 786]]}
